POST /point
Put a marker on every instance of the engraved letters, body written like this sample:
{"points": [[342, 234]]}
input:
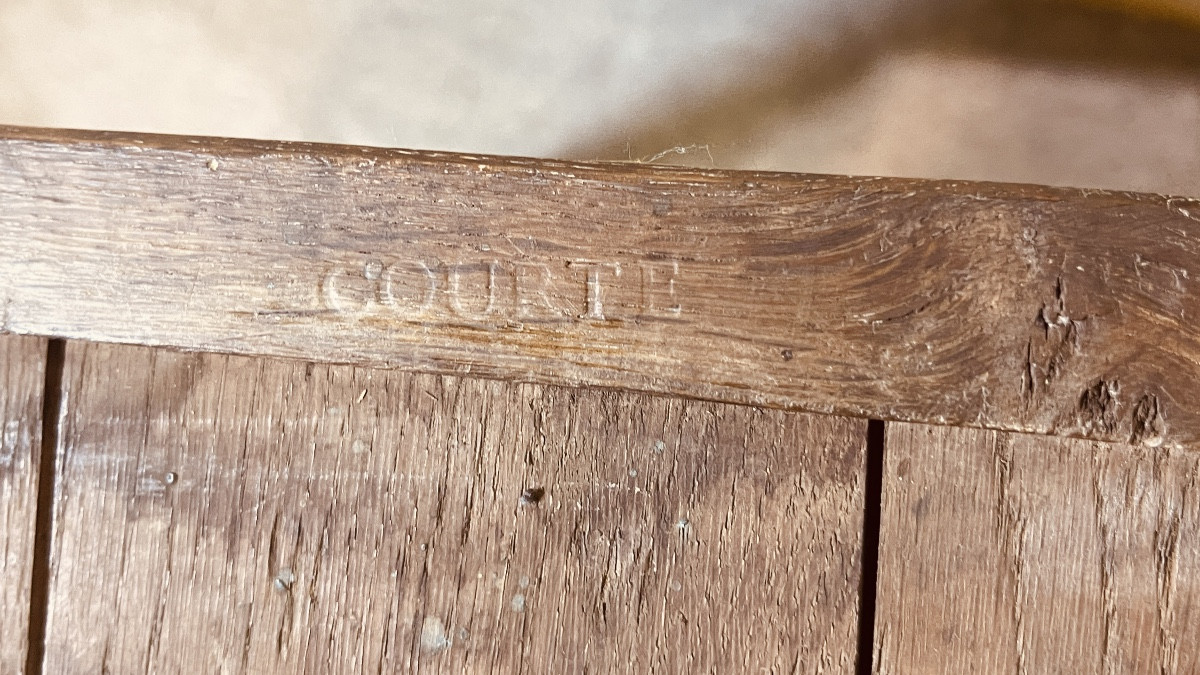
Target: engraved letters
{"points": [[504, 294]]}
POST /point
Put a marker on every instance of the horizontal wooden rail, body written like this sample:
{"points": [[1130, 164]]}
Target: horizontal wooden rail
{"points": [[1037, 309]]}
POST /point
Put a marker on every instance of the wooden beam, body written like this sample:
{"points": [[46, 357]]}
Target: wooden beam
{"points": [[1046, 310]]}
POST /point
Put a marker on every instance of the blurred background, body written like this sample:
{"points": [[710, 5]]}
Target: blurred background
{"points": [[1095, 94]]}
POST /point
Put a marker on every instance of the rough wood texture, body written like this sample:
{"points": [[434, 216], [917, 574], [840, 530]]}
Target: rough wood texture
{"points": [[22, 373], [1004, 553], [1015, 307], [229, 514]]}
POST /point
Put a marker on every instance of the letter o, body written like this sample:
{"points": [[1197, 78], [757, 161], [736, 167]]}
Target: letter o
{"points": [[410, 287]]}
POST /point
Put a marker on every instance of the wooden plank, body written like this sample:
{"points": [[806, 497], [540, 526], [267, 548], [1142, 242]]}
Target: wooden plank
{"points": [[22, 376], [1004, 553], [229, 514], [1013, 307]]}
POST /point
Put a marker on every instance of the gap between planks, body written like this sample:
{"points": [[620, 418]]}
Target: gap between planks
{"points": [[39, 592]]}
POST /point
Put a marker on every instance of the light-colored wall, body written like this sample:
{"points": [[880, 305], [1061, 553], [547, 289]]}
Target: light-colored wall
{"points": [[1021, 91]]}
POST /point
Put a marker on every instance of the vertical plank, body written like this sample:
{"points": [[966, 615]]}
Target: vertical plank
{"points": [[22, 377], [1004, 553], [226, 514]]}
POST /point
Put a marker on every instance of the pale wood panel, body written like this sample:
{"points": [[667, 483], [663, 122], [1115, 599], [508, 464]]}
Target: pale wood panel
{"points": [[1004, 553], [22, 377], [228, 514], [959, 303]]}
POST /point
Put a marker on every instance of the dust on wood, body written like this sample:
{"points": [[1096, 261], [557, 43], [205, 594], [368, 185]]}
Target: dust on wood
{"points": [[229, 514], [22, 373], [1003, 553], [973, 304]]}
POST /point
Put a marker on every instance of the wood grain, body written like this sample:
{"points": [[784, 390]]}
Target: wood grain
{"points": [[22, 373], [1013, 307], [229, 514], [1003, 553]]}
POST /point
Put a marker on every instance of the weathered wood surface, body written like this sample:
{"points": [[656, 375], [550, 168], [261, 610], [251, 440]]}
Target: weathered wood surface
{"points": [[1006, 553], [226, 514], [22, 372], [1014, 307]]}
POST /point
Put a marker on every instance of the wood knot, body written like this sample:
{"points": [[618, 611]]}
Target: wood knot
{"points": [[1097, 410], [1047, 357], [1149, 427]]}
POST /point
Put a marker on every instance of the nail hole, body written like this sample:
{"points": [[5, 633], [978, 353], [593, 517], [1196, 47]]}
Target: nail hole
{"points": [[532, 495]]}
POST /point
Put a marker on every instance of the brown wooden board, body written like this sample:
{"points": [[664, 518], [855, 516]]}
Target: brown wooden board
{"points": [[1003, 553], [1014, 307], [227, 514], [22, 375]]}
